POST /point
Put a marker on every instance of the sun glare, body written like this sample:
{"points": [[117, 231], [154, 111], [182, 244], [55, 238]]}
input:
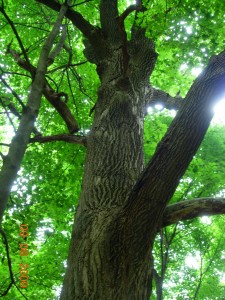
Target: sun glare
{"points": [[193, 261], [219, 112], [219, 116]]}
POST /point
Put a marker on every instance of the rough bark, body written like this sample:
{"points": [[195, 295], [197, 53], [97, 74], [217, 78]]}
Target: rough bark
{"points": [[160, 97], [93, 270], [110, 252]]}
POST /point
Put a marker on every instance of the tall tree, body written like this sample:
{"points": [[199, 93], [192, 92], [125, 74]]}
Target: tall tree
{"points": [[124, 203]]}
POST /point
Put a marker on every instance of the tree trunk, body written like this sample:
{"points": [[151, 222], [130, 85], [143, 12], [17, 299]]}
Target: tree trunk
{"points": [[97, 267], [93, 271], [121, 208], [13, 159], [119, 214]]}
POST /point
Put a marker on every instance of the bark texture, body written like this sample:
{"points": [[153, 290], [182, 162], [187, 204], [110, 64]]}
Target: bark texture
{"points": [[113, 164]]}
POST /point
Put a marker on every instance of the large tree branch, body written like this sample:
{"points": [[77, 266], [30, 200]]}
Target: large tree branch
{"points": [[133, 7], [68, 138], [158, 182], [13, 159], [190, 209], [55, 99], [58, 47]]}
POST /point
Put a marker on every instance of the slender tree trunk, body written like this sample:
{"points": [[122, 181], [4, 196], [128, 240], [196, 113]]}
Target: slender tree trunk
{"points": [[159, 285]]}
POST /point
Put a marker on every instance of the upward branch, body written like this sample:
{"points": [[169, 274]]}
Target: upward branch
{"points": [[12, 161], [158, 182], [130, 9], [108, 15]]}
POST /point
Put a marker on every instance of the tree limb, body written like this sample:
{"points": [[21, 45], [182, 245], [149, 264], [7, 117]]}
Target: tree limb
{"points": [[12, 91], [158, 182], [160, 97], [130, 9], [8, 115], [108, 17], [55, 99], [80, 3], [68, 138], [66, 66], [5, 241], [190, 209], [58, 46]]}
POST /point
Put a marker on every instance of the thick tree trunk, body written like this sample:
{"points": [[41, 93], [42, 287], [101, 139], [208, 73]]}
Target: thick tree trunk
{"points": [[121, 204], [117, 220], [121, 207], [114, 162], [93, 272]]}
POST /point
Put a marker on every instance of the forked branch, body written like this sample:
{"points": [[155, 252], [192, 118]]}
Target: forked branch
{"points": [[158, 182]]}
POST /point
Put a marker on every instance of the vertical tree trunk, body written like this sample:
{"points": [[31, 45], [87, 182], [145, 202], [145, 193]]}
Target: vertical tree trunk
{"points": [[118, 216], [109, 177], [113, 164]]}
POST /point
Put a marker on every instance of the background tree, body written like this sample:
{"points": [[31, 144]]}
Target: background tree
{"points": [[49, 49]]}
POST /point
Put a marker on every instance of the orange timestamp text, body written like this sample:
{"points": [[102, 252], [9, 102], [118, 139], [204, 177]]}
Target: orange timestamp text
{"points": [[23, 253]]}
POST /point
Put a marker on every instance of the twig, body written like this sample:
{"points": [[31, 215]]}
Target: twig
{"points": [[17, 37], [7, 113], [70, 87], [5, 241], [13, 92], [81, 3]]}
